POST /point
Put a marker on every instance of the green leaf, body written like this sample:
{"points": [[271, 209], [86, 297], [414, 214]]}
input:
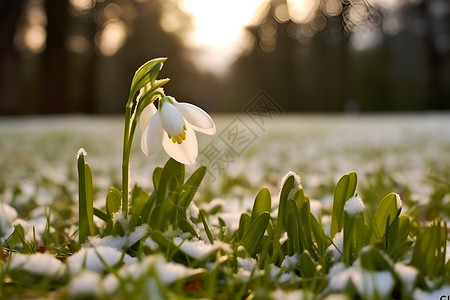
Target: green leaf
{"points": [[155, 216], [244, 224], [139, 199], [321, 240], [262, 203], [396, 242], [282, 214], [252, 238], [348, 241], [113, 201], [293, 229], [86, 200], [101, 214], [301, 198], [191, 186], [373, 259], [386, 214], [154, 71], [307, 265], [345, 189], [429, 250], [108, 228], [169, 193], [172, 177], [18, 237], [187, 227], [205, 224], [160, 82], [354, 237], [157, 177], [147, 209], [306, 239], [401, 231], [144, 73]]}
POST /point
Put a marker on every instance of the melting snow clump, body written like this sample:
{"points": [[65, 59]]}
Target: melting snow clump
{"points": [[43, 264], [354, 206]]}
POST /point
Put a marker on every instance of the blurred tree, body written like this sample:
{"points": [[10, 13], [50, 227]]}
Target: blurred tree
{"points": [[80, 56], [302, 61], [59, 56], [348, 55], [53, 94], [10, 90], [436, 14]]}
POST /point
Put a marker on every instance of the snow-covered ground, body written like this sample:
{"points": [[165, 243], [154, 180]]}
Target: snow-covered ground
{"points": [[38, 166], [320, 148]]}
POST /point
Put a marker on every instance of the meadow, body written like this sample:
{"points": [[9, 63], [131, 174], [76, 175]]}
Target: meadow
{"points": [[278, 206]]}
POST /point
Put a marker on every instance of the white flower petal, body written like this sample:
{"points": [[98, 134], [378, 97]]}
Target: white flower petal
{"points": [[171, 119], [197, 117], [152, 136], [146, 114], [186, 152]]}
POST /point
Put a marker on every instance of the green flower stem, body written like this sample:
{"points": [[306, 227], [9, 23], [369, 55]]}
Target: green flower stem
{"points": [[129, 130], [126, 157]]}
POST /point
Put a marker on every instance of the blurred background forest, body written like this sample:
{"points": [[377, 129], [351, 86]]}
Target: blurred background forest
{"points": [[78, 56]]}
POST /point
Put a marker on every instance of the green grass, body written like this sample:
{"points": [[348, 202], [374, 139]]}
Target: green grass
{"points": [[254, 235]]}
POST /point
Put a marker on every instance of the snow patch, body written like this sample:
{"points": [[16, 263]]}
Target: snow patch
{"points": [[436, 294], [399, 201], [290, 262], [279, 294], [354, 206], [197, 249], [297, 183], [276, 274], [297, 180], [167, 272], [80, 152], [120, 242], [86, 283], [7, 215], [368, 283], [338, 240], [91, 259], [339, 277], [43, 264], [407, 275]]}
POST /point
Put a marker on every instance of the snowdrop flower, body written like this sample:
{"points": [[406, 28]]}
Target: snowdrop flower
{"points": [[172, 126]]}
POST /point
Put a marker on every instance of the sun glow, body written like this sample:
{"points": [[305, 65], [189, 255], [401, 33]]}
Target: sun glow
{"points": [[218, 31], [219, 23]]}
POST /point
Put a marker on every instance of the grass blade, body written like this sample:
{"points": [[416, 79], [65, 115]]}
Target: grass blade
{"points": [[252, 238], [113, 201], [86, 200], [387, 213], [262, 203], [345, 189]]}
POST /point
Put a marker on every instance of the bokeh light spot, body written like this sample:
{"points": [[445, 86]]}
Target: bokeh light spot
{"points": [[78, 44], [302, 11], [112, 37], [282, 13], [82, 6]]}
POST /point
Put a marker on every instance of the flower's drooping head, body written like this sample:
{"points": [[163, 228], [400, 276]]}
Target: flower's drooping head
{"points": [[172, 126], [173, 122]]}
